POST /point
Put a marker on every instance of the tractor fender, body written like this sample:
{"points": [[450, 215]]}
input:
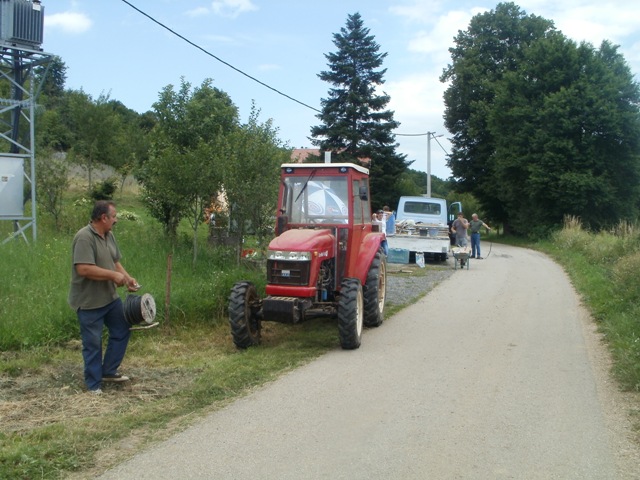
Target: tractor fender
{"points": [[368, 249]]}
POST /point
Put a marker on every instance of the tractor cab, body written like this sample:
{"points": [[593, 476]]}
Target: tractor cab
{"points": [[323, 194]]}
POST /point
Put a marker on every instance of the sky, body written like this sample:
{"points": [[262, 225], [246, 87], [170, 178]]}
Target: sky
{"points": [[109, 48]]}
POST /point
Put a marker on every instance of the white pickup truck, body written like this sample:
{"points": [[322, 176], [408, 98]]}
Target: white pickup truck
{"points": [[422, 226]]}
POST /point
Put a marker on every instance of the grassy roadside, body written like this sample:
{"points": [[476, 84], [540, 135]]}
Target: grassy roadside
{"points": [[52, 428]]}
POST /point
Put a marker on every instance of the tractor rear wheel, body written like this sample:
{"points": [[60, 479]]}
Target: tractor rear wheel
{"points": [[350, 313], [375, 291], [243, 315]]}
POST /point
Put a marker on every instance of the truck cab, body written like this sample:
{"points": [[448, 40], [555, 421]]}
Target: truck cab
{"points": [[423, 226], [427, 211]]}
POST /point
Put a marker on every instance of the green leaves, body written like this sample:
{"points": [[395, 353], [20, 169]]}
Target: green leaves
{"points": [[184, 168], [542, 127], [251, 176]]}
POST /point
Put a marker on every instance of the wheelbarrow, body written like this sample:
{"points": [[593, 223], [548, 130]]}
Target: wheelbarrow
{"points": [[461, 256]]}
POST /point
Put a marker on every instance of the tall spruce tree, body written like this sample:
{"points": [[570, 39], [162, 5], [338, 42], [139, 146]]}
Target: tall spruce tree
{"points": [[355, 124]]}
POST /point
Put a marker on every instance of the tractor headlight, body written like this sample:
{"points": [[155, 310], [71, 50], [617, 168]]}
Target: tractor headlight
{"points": [[291, 256]]}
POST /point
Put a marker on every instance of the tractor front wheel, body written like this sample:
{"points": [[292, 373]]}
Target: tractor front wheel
{"points": [[375, 291], [243, 315], [350, 313]]}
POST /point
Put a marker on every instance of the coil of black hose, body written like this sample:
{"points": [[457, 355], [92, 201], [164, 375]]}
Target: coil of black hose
{"points": [[133, 310]]}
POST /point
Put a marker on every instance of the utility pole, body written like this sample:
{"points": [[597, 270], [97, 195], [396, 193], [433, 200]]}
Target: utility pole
{"points": [[430, 135], [429, 163]]}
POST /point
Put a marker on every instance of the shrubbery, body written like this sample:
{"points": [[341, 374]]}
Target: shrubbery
{"points": [[604, 267]]}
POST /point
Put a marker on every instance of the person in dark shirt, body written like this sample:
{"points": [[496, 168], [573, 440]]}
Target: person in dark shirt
{"points": [[475, 225]]}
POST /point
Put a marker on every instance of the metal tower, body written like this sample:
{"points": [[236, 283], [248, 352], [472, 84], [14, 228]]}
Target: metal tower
{"points": [[21, 28]]}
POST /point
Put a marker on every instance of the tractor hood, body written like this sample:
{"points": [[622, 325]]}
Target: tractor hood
{"points": [[318, 242]]}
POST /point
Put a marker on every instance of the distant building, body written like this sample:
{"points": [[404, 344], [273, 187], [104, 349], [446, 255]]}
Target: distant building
{"points": [[301, 155]]}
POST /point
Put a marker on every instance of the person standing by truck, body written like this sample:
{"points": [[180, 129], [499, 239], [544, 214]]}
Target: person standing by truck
{"points": [[380, 220], [390, 220], [459, 227], [475, 225]]}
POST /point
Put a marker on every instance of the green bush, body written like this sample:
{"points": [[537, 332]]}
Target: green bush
{"points": [[625, 274], [104, 190], [572, 236]]}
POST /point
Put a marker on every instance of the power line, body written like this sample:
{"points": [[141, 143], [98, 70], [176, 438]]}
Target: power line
{"points": [[217, 58], [438, 142], [423, 135], [206, 52]]}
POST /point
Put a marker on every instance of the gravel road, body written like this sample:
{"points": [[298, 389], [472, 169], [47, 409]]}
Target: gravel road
{"points": [[497, 373]]}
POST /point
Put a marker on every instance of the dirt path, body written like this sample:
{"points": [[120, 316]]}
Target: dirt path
{"points": [[496, 374]]}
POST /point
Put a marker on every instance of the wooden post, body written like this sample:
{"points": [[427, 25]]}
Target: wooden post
{"points": [[167, 293]]}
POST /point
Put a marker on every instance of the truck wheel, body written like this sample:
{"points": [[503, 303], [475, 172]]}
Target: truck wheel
{"points": [[350, 313], [243, 318], [375, 291]]}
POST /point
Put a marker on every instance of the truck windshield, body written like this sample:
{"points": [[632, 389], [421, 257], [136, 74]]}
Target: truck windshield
{"points": [[423, 208], [323, 199]]}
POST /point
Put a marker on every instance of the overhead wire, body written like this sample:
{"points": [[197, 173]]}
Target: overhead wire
{"points": [[438, 142], [423, 135], [206, 52], [218, 58]]}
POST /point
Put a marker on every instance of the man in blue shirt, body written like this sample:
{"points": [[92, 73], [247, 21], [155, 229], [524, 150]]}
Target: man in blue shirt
{"points": [[391, 220]]}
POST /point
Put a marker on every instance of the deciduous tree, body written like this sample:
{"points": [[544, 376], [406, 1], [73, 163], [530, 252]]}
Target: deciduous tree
{"points": [[541, 127], [251, 175], [184, 169]]}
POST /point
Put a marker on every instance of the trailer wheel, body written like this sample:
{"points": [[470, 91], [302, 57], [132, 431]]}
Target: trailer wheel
{"points": [[375, 291], [350, 313], [243, 315]]}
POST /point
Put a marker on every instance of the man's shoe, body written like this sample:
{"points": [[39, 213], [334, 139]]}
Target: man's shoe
{"points": [[479, 258], [97, 391], [115, 377]]}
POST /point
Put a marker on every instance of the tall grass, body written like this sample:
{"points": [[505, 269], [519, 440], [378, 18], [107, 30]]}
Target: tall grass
{"points": [[604, 267], [35, 278], [50, 425]]}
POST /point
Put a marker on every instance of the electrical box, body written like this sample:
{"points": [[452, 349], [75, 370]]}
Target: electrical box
{"points": [[11, 186], [21, 23]]}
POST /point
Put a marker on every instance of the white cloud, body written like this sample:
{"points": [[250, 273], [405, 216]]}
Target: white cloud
{"points": [[442, 32], [197, 12], [417, 104], [232, 8], [416, 96], [417, 12], [440, 27], [582, 20], [68, 22]]}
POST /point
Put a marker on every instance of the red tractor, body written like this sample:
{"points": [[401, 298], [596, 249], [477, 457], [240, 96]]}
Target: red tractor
{"points": [[326, 258]]}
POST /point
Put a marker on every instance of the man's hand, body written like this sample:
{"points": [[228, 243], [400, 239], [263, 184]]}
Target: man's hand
{"points": [[132, 285], [119, 279]]}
